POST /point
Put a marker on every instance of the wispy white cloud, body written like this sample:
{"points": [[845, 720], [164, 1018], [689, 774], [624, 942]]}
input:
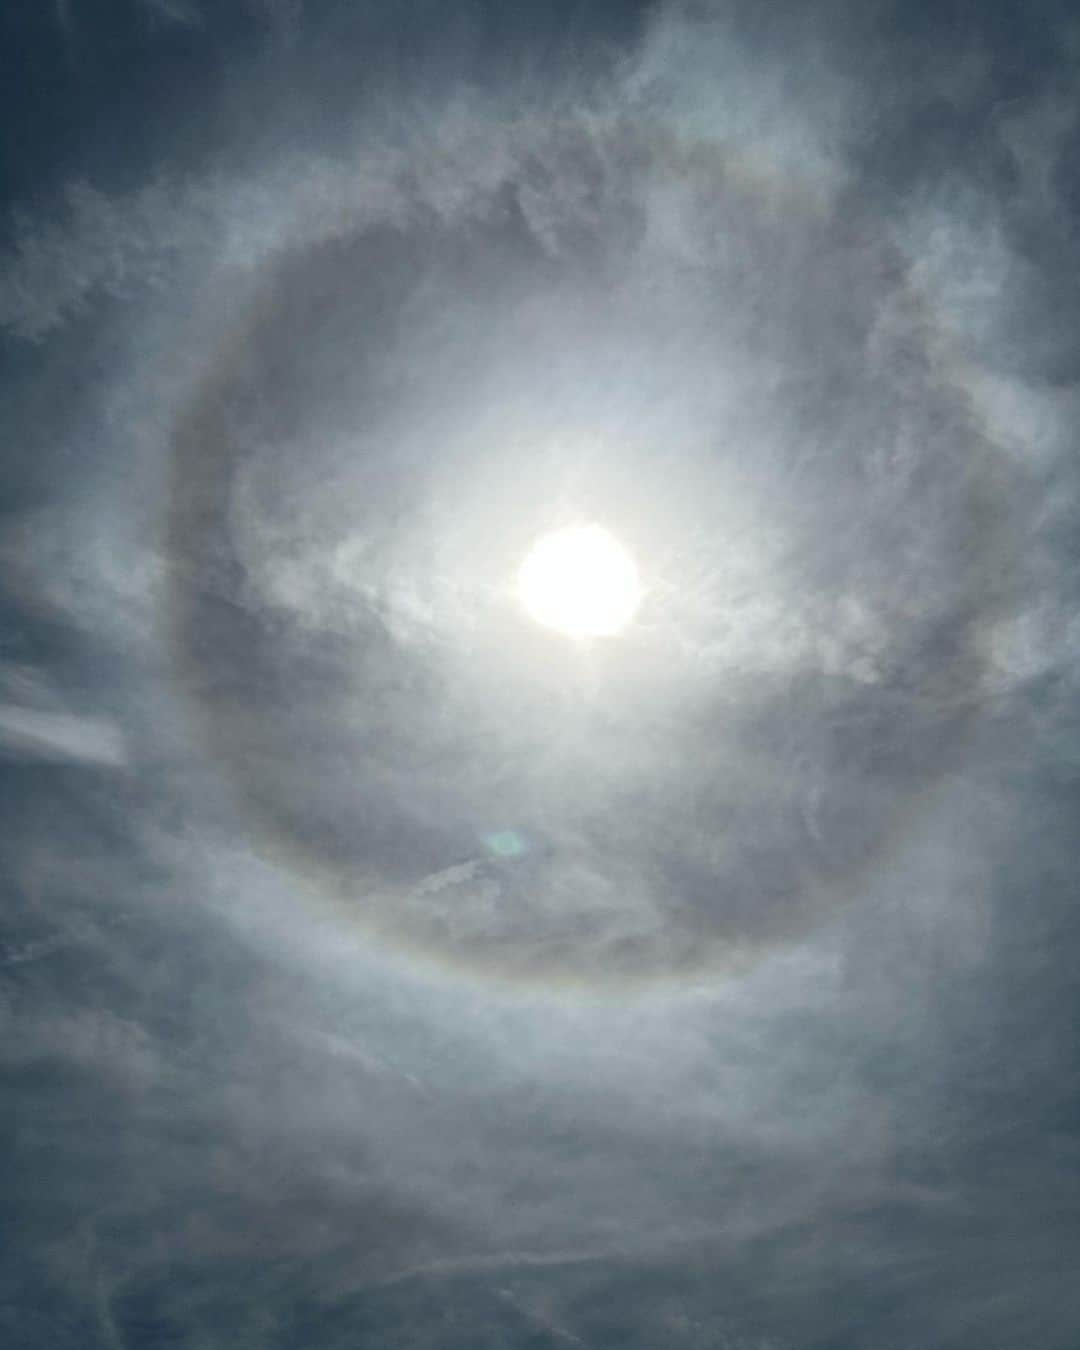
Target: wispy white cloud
{"points": [[28, 733]]}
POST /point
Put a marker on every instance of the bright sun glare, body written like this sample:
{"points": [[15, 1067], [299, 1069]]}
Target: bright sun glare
{"points": [[580, 581]]}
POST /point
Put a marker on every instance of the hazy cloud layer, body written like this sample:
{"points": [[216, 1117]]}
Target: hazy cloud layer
{"points": [[761, 1033]]}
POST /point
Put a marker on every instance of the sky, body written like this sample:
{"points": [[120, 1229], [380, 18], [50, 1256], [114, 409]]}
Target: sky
{"points": [[381, 968]]}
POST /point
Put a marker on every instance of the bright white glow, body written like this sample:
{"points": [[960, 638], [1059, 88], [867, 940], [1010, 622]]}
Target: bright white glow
{"points": [[580, 581]]}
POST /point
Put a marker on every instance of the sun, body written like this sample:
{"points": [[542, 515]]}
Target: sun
{"points": [[580, 581]]}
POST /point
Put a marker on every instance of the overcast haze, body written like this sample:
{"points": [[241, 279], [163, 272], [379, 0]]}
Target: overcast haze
{"points": [[380, 968]]}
